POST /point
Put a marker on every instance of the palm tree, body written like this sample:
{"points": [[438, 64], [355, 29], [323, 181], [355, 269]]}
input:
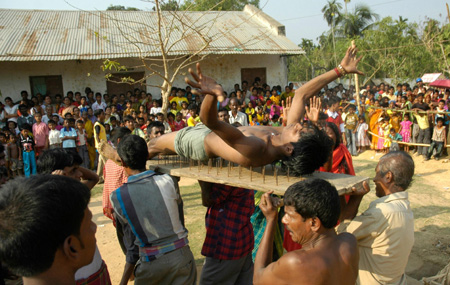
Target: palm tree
{"points": [[360, 20], [332, 14], [346, 1]]}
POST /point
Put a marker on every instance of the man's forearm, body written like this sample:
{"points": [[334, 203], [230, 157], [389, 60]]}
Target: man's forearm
{"points": [[127, 272], [304, 93], [265, 250], [89, 177], [351, 209]]}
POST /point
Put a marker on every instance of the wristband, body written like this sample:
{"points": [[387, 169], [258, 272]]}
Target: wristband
{"points": [[341, 70], [337, 72]]}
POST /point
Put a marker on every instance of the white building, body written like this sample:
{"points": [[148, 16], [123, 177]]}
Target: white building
{"points": [[51, 52]]}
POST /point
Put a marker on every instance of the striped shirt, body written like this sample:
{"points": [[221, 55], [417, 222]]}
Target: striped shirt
{"points": [[150, 209]]}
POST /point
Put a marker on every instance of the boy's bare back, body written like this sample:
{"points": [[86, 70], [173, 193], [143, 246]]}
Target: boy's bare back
{"points": [[13, 151]]}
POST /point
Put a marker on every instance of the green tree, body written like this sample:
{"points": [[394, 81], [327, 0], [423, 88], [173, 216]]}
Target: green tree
{"points": [[217, 5], [171, 5], [353, 24], [332, 14], [112, 7]]}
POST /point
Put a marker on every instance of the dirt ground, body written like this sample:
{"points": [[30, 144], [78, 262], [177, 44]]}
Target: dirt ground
{"points": [[429, 196]]}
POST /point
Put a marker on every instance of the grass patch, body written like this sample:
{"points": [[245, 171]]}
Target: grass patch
{"points": [[97, 190], [194, 215]]}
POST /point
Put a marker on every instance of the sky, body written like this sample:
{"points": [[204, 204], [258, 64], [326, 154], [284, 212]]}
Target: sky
{"points": [[302, 18]]}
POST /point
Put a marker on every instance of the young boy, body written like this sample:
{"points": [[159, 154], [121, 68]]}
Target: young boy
{"points": [[193, 118], [40, 133], [395, 138], [82, 144], [54, 135], [350, 122], [68, 137], [15, 165], [438, 140], [26, 153], [179, 123]]}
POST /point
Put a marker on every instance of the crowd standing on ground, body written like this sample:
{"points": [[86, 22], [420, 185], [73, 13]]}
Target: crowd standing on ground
{"points": [[64, 137]]}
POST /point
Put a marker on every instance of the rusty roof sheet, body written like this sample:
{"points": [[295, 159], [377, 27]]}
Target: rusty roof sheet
{"points": [[35, 35]]}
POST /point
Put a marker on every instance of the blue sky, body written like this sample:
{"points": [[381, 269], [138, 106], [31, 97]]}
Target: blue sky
{"points": [[303, 19]]}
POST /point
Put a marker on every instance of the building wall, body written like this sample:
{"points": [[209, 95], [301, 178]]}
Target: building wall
{"points": [[76, 75]]}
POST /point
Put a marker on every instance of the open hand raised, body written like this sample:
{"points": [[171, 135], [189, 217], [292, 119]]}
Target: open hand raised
{"points": [[350, 61], [314, 109], [204, 84]]}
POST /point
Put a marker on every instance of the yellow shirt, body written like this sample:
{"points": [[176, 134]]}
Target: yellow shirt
{"points": [[101, 135], [422, 121], [275, 100], [191, 122], [179, 100]]}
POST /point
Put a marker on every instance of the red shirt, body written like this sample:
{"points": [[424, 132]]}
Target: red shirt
{"points": [[115, 177], [229, 232]]}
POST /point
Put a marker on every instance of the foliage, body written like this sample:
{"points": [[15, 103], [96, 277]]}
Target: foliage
{"points": [[391, 48], [216, 5], [171, 5], [112, 7]]}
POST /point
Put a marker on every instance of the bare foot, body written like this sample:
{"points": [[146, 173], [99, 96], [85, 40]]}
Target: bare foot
{"points": [[108, 152]]}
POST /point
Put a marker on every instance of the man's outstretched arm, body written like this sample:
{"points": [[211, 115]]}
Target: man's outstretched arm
{"points": [[309, 89], [208, 114]]}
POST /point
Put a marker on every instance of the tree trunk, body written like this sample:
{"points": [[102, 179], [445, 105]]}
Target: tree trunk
{"points": [[165, 92]]}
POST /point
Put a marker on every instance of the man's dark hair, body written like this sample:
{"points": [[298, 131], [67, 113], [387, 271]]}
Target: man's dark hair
{"points": [[119, 133], [133, 151], [54, 159], [154, 124], [36, 215], [71, 120], [128, 118], [333, 100], [98, 112], [192, 106], [311, 151], [401, 165], [26, 126], [222, 109], [112, 118], [315, 198]]}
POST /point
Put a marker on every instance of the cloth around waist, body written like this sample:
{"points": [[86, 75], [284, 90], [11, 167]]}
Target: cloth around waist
{"points": [[149, 253]]}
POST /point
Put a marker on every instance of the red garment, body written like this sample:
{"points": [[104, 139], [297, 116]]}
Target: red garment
{"points": [[229, 232], [114, 176], [101, 277], [337, 121], [340, 153]]}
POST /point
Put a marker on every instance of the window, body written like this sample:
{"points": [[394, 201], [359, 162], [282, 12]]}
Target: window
{"points": [[46, 85], [249, 74]]}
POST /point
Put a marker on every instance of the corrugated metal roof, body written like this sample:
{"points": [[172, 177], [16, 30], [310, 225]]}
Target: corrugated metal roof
{"points": [[35, 35]]}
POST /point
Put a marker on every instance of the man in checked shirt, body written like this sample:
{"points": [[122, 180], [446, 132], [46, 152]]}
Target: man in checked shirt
{"points": [[229, 233]]}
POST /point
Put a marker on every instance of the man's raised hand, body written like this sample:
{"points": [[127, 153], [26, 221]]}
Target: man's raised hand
{"points": [[266, 206], [314, 109], [204, 84], [350, 61]]}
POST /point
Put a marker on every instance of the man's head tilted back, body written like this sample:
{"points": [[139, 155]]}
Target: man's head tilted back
{"points": [[45, 226]]}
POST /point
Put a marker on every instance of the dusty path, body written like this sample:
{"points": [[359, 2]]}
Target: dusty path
{"points": [[430, 200]]}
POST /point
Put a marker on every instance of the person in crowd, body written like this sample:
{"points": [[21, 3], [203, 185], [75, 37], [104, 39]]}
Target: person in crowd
{"points": [[15, 163], [236, 115], [129, 123], [26, 153], [68, 137], [157, 249], [385, 231], [405, 131], [99, 136], [11, 110], [82, 143], [350, 122], [25, 117], [99, 104], [40, 133], [362, 140], [438, 140], [394, 139], [312, 209], [60, 162]]}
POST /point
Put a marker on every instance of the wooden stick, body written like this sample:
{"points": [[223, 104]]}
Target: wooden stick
{"points": [[288, 174], [405, 143], [240, 169], [276, 175], [358, 103], [264, 173], [251, 173]]}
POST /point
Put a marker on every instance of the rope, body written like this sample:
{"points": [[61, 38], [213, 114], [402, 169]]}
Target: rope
{"points": [[404, 143]]}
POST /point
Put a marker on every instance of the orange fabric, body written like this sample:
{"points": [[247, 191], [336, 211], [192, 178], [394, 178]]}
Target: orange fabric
{"points": [[373, 126]]}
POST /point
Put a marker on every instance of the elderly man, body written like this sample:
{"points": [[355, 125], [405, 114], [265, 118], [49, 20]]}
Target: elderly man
{"points": [[311, 211], [385, 231]]}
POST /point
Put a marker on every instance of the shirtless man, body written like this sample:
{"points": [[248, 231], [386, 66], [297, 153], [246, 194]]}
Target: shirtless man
{"points": [[254, 146], [312, 209]]}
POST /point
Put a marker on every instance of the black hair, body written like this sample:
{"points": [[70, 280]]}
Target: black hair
{"points": [[56, 159], [37, 214], [98, 112], [192, 106], [2, 135], [439, 119], [79, 122], [26, 126], [154, 124], [112, 118], [71, 120], [315, 198], [133, 151], [170, 114], [333, 100], [128, 118], [222, 109], [336, 132], [310, 152], [119, 133]]}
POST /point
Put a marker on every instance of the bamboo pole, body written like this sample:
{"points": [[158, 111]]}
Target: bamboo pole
{"points": [[404, 143], [358, 101]]}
